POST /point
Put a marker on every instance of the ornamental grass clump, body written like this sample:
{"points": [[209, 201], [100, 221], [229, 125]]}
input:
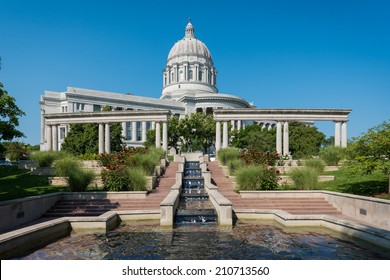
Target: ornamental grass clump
{"points": [[228, 154], [332, 155], [46, 158], [257, 177], [305, 178], [234, 165], [77, 177], [316, 164]]}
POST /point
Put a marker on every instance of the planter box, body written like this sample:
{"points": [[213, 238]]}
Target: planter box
{"points": [[151, 182], [43, 171], [61, 181]]}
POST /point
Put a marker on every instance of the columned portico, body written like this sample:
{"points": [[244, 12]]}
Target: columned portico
{"points": [[282, 117], [104, 119]]}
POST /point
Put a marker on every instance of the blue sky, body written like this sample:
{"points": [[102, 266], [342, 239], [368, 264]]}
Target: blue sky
{"points": [[277, 54]]}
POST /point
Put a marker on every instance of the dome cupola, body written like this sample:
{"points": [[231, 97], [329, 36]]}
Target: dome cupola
{"points": [[189, 67]]}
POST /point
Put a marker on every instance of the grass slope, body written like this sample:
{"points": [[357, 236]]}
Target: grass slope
{"points": [[16, 183]]}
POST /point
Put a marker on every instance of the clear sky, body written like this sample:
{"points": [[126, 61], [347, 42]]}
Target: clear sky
{"points": [[277, 54]]}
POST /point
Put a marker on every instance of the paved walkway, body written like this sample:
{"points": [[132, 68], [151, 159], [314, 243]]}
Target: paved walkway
{"points": [[306, 206]]}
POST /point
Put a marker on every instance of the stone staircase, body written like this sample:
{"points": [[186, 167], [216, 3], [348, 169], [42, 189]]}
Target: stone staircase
{"points": [[293, 205], [96, 207]]}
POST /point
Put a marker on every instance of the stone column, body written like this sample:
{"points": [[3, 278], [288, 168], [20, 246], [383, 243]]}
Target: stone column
{"points": [[42, 127], [101, 138], [239, 124], [49, 138], [286, 146], [337, 134], [279, 138], [143, 138], [217, 136], [165, 136], [158, 135], [107, 146], [133, 131], [225, 136], [124, 132], [344, 134], [55, 137], [233, 125]]}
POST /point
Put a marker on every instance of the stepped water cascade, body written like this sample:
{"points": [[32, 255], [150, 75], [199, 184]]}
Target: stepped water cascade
{"points": [[194, 205]]}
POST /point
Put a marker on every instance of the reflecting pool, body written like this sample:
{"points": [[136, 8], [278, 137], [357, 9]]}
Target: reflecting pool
{"points": [[244, 241]]}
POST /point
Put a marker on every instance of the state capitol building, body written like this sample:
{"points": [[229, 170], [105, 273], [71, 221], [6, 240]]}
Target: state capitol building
{"points": [[189, 85]]}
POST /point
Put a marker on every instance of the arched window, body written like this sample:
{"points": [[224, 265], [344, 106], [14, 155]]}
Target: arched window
{"points": [[200, 75], [190, 75], [181, 75]]}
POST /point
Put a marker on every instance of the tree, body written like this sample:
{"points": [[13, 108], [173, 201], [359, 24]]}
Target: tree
{"points": [[197, 132], [84, 139], [305, 140], [9, 113], [253, 136], [371, 151]]}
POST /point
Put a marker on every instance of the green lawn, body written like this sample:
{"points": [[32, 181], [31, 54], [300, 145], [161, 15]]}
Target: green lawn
{"points": [[16, 183], [375, 184]]}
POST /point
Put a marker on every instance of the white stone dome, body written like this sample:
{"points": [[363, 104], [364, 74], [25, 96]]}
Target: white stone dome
{"points": [[189, 67], [189, 45]]}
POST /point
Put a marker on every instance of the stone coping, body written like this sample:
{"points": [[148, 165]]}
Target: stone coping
{"points": [[20, 241], [309, 193], [371, 234]]}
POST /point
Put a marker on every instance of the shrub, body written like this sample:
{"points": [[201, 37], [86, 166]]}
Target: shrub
{"points": [[234, 165], [137, 178], [147, 162], [115, 180], [46, 158], [331, 155], [253, 156], [257, 177], [227, 154], [124, 179], [305, 178], [316, 164], [78, 178]]}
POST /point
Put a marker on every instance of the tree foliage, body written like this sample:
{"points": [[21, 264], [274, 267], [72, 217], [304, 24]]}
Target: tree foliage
{"points": [[305, 140], [84, 139], [197, 132], [253, 136], [371, 151], [9, 113], [194, 132]]}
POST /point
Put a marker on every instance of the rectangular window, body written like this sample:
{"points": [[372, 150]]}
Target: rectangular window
{"points": [[62, 133]]}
